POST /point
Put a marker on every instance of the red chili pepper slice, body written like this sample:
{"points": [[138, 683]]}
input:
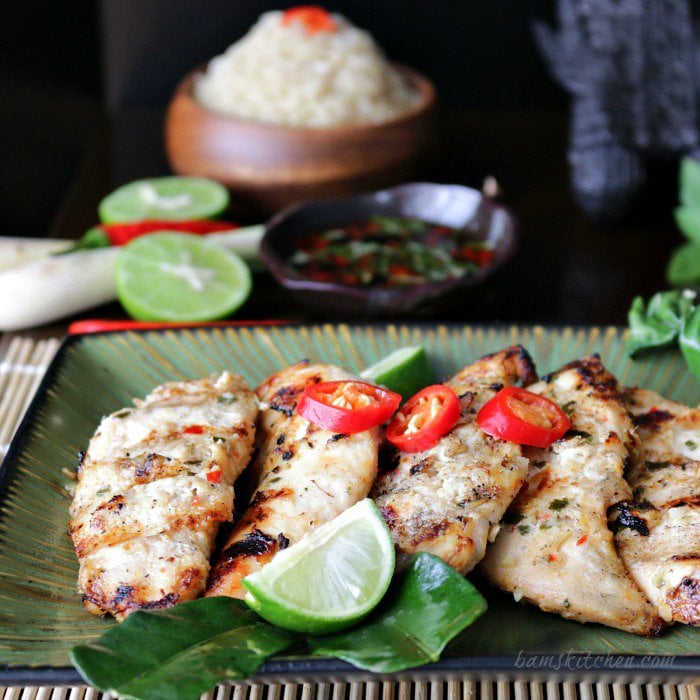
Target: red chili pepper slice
{"points": [[314, 18], [193, 430], [214, 477], [521, 416], [347, 406], [119, 234], [424, 419]]}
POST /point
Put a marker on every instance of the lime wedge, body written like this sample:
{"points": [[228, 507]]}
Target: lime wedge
{"points": [[405, 371], [331, 578], [168, 276], [171, 198]]}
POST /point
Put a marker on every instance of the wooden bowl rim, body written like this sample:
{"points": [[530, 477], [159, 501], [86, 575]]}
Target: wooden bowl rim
{"points": [[424, 85]]}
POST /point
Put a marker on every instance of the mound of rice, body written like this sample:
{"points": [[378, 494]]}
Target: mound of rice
{"points": [[281, 74]]}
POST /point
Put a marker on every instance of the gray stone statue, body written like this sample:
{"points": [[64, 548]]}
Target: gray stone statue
{"points": [[630, 67]]}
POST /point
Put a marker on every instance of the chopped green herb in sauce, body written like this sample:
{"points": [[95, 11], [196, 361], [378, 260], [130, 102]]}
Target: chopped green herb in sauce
{"points": [[559, 504], [523, 529], [388, 251], [218, 438]]}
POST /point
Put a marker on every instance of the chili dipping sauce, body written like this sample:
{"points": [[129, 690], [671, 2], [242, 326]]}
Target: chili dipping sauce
{"points": [[389, 251]]}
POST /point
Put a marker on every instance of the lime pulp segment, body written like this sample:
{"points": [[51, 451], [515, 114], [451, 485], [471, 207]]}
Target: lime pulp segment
{"points": [[331, 578], [171, 198], [180, 277]]}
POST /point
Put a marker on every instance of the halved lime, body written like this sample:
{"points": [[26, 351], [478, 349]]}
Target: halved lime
{"points": [[405, 371], [168, 276], [330, 579], [171, 198]]}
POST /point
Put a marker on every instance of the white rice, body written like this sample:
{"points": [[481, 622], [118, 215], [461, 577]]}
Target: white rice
{"points": [[280, 74]]}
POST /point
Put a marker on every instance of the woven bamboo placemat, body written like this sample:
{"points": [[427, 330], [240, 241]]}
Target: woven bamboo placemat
{"points": [[404, 690], [23, 361]]}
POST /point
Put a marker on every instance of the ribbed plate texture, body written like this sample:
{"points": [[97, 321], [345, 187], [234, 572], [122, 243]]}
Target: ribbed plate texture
{"points": [[41, 616]]}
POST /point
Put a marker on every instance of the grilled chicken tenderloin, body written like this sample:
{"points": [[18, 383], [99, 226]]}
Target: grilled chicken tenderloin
{"points": [[445, 500], [153, 486], [305, 476], [554, 548], [658, 531]]}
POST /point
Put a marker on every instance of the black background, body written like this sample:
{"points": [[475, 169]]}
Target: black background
{"points": [[63, 65]]}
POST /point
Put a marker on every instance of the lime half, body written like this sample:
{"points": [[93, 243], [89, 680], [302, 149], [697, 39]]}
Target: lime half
{"points": [[165, 198], [180, 277], [331, 578], [405, 371]]}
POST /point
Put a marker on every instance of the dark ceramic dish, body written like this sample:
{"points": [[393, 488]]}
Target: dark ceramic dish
{"points": [[449, 205]]}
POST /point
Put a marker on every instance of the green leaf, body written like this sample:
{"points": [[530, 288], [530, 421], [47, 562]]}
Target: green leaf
{"points": [[690, 182], [427, 605], [690, 343], [659, 322], [683, 268], [688, 221], [180, 652]]}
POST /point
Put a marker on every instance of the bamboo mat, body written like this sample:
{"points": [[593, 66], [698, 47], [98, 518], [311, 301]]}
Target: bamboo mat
{"points": [[23, 362], [404, 690]]}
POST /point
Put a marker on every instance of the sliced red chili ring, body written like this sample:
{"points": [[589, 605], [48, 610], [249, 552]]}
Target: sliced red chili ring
{"points": [[424, 419], [524, 417], [347, 406]]}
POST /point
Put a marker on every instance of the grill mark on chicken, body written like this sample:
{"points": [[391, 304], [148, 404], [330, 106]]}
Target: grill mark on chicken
{"points": [[446, 499], [303, 476], [253, 544], [558, 538], [652, 420], [626, 518], [145, 512]]}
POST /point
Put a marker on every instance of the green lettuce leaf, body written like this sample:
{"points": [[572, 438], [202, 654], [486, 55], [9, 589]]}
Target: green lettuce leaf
{"points": [[659, 322], [180, 652], [688, 221], [689, 181], [683, 268], [690, 342], [427, 605]]}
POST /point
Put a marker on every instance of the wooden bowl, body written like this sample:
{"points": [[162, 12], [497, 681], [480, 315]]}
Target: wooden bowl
{"points": [[267, 167]]}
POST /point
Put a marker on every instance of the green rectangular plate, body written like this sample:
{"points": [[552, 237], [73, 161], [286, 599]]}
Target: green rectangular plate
{"points": [[41, 616]]}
